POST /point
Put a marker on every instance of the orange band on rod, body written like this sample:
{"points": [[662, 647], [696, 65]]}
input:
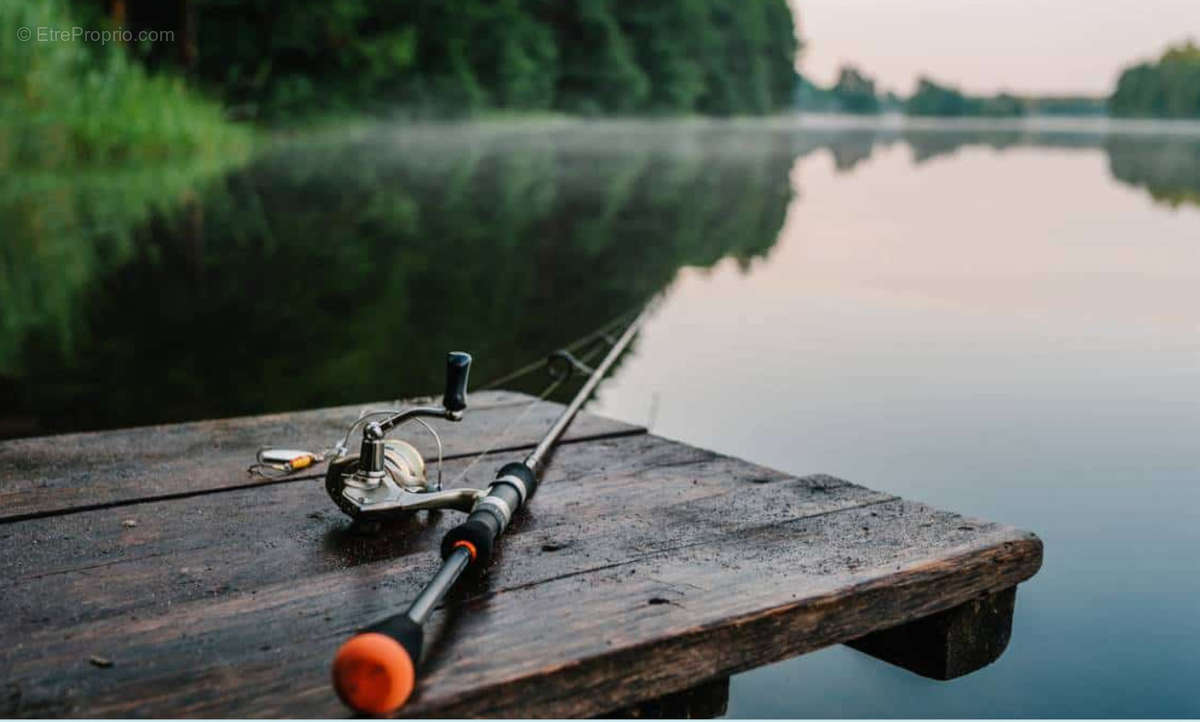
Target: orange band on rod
{"points": [[465, 545]]}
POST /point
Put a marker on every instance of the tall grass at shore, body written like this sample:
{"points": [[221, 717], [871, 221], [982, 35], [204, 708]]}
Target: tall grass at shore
{"points": [[63, 102]]}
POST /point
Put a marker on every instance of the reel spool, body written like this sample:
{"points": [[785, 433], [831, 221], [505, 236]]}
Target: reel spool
{"points": [[404, 470]]}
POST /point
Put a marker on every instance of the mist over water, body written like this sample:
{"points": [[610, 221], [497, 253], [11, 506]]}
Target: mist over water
{"points": [[995, 318]]}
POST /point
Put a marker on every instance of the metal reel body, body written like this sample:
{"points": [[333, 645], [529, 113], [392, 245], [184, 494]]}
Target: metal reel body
{"points": [[403, 488]]}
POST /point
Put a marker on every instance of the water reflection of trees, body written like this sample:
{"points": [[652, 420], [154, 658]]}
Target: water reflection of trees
{"points": [[1168, 168], [341, 270], [1166, 165], [344, 271]]}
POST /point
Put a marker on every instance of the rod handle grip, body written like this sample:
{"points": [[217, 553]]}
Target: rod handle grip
{"points": [[375, 671], [514, 485], [458, 367]]}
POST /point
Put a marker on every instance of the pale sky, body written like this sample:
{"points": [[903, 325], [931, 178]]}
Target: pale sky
{"points": [[983, 46]]}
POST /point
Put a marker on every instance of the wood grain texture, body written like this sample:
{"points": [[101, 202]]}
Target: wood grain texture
{"points": [[642, 568], [56, 474]]}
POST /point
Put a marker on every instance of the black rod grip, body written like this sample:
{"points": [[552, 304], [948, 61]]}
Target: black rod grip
{"points": [[404, 630], [458, 367], [515, 484], [478, 532]]}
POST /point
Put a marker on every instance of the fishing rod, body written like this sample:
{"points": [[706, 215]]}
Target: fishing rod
{"points": [[374, 672]]}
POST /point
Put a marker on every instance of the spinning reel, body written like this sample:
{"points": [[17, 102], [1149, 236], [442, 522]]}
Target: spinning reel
{"points": [[387, 477]]}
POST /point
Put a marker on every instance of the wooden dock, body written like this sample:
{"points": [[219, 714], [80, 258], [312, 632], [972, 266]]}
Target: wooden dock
{"points": [[144, 573]]}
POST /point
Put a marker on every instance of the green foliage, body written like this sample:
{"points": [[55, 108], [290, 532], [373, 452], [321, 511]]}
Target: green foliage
{"points": [[63, 102], [1169, 88], [668, 38], [855, 92], [1003, 105], [598, 71], [279, 58], [518, 65], [737, 53], [935, 99], [1067, 105], [811, 97], [64, 230]]}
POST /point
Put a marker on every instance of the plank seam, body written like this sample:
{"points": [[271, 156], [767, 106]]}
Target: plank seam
{"points": [[64, 511], [708, 458], [269, 416]]}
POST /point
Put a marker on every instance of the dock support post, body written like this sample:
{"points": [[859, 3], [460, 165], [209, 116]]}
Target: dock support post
{"points": [[949, 644]]}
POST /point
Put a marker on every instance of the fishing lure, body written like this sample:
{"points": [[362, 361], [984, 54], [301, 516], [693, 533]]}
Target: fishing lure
{"points": [[272, 462]]}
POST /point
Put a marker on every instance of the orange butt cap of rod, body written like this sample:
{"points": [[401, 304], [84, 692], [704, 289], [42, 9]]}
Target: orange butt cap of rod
{"points": [[373, 674]]}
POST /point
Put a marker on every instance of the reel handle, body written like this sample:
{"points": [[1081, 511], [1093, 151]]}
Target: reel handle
{"points": [[458, 367]]}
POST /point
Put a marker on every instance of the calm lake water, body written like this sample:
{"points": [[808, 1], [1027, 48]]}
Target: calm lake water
{"points": [[997, 319]]}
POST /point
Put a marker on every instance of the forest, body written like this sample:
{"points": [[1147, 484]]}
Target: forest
{"points": [[222, 67], [273, 59]]}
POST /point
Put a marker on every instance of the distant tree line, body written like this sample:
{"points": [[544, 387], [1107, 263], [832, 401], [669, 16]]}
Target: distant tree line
{"points": [[933, 98], [1169, 88], [855, 92], [277, 58], [1166, 88]]}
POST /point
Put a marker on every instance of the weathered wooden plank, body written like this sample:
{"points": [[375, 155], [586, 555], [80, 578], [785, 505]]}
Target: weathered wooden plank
{"points": [[612, 495], [711, 604], [949, 644], [55, 474]]}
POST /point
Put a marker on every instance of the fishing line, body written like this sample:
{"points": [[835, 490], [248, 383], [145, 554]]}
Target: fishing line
{"points": [[577, 343], [274, 463], [506, 432]]}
